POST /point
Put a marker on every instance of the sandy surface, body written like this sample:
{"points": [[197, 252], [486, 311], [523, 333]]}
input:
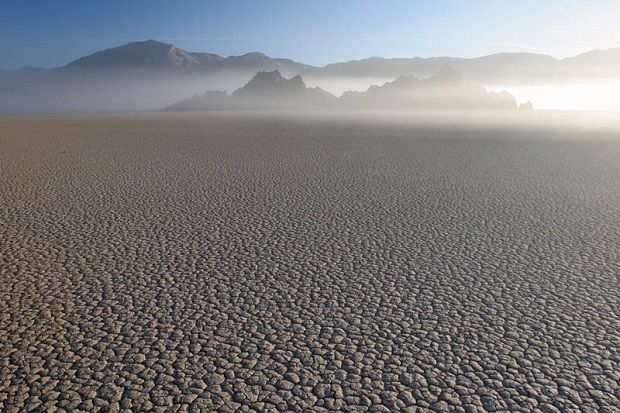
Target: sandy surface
{"points": [[240, 264]]}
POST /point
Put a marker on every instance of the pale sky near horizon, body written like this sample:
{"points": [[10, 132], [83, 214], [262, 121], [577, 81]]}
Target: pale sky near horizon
{"points": [[48, 34]]}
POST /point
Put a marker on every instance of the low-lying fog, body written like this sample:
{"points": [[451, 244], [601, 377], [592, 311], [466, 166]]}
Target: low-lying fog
{"points": [[339, 85], [153, 93], [559, 121], [111, 93], [599, 96]]}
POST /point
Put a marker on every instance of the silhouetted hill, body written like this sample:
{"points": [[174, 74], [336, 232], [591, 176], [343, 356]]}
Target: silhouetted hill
{"points": [[598, 63], [266, 90], [157, 55], [257, 61], [152, 54], [607, 57], [497, 67], [444, 90], [271, 83], [147, 53], [382, 67]]}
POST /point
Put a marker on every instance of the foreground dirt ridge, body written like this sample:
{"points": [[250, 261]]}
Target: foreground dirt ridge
{"points": [[205, 264]]}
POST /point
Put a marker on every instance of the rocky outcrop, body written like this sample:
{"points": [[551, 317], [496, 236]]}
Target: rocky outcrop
{"points": [[266, 90], [444, 90], [270, 90]]}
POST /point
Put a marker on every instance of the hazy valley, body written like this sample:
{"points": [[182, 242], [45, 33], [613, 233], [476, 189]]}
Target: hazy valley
{"points": [[150, 75]]}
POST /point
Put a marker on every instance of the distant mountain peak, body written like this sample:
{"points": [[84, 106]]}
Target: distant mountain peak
{"points": [[253, 54], [143, 53], [612, 54], [151, 41]]}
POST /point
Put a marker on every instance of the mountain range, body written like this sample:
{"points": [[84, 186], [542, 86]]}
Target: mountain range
{"points": [[149, 74], [154, 54], [151, 54]]}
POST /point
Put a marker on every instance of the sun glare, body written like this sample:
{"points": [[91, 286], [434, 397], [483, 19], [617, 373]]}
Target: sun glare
{"points": [[595, 96]]}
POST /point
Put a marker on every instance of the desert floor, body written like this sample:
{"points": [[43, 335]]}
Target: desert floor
{"points": [[236, 263]]}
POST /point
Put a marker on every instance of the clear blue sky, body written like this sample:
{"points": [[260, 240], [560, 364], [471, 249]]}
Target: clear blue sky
{"points": [[50, 33]]}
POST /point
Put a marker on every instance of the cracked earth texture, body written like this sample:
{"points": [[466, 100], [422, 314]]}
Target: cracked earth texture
{"points": [[220, 264]]}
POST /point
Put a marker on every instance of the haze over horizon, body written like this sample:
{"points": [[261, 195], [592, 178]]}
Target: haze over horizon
{"points": [[559, 55]]}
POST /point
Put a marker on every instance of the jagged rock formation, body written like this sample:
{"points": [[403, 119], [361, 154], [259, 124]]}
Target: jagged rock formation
{"points": [[266, 90], [271, 82], [444, 90]]}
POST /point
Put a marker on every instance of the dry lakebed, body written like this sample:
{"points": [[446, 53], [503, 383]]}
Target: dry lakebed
{"points": [[222, 262]]}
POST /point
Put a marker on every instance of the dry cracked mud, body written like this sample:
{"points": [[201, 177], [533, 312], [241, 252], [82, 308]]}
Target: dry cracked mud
{"points": [[218, 264]]}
